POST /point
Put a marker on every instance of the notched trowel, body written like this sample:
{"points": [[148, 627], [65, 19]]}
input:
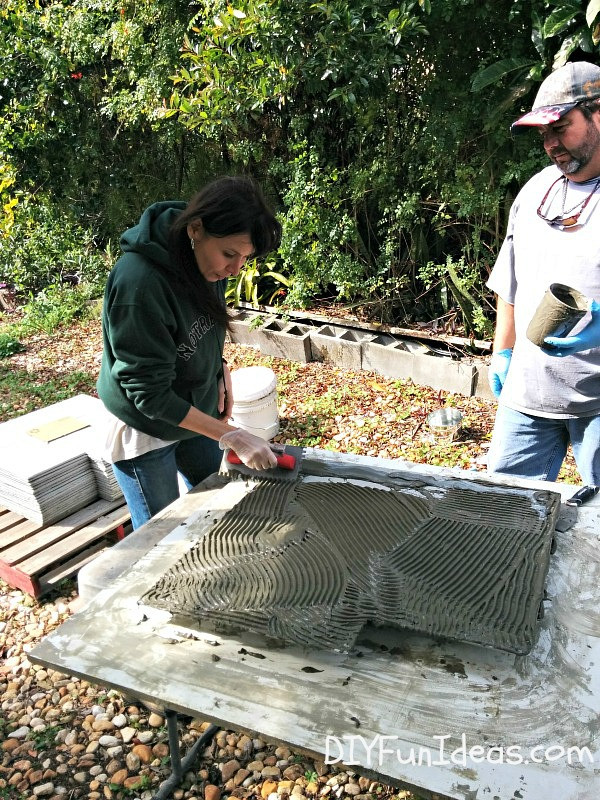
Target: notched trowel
{"points": [[289, 459], [567, 516]]}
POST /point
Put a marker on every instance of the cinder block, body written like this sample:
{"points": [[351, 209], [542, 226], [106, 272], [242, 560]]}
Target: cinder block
{"points": [[481, 386], [443, 373], [286, 340], [387, 356], [243, 329], [339, 346]]}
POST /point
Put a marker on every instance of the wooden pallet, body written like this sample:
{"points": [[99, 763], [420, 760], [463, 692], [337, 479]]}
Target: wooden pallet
{"points": [[34, 558]]}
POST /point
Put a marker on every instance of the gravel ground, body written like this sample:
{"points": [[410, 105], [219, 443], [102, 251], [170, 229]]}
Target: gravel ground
{"points": [[65, 739]]}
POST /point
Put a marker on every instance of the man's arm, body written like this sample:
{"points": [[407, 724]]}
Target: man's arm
{"points": [[504, 341], [504, 338]]}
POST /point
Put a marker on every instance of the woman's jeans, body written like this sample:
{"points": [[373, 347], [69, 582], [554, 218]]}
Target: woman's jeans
{"points": [[535, 447], [149, 482]]}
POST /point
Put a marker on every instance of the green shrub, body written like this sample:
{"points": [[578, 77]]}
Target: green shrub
{"points": [[46, 245], [54, 306], [321, 244], [9, 345]]}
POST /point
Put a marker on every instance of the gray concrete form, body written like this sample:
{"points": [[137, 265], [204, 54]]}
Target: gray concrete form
{"points": [[415, 691], [353, 349]]}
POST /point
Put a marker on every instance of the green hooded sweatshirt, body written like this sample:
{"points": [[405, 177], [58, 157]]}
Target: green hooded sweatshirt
{"points": [[162, 354]]}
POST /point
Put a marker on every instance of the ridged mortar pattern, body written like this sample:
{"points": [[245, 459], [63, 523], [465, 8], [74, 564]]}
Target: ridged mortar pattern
{"points": [[312, 561]]}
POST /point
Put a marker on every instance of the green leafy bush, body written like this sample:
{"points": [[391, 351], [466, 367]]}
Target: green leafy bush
{"points": [[320, 245], [45, 245], [54, 306], [9, 345], [380, 132]]}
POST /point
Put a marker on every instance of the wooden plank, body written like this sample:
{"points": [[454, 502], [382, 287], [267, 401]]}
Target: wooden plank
{"points": [[8, 518], [21, 529], [49, 580], [19, 580], [75, 541], [54, 533]]}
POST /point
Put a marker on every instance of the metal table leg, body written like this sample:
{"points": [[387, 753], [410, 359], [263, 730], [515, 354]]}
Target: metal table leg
{"points": [[178, 766]]}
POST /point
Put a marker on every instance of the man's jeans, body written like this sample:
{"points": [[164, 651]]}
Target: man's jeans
{"points": [[535, 447], [149, 482]]}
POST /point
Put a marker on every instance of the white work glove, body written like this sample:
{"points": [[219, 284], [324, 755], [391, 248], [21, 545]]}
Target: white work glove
{"points": [[252, 451], [225, 402]]}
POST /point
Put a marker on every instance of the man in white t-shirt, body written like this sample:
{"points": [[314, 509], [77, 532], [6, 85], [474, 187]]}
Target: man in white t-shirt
{"points": [[550, 397]]}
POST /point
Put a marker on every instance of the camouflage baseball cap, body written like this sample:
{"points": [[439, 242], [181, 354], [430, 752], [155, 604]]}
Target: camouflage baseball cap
{"points": [[562, 90]]}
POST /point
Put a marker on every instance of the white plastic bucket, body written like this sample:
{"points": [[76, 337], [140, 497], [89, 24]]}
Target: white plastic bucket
{"points": [[255, 401]]}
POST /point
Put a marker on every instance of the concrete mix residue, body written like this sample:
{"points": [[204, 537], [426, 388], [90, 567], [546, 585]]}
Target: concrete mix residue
{"points": [[311, 562]]}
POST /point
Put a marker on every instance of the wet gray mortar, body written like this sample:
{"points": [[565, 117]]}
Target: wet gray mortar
{"points": [[312, 561]]}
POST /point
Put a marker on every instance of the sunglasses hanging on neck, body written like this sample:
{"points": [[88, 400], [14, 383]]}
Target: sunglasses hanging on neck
{"points": [[570, 218]]}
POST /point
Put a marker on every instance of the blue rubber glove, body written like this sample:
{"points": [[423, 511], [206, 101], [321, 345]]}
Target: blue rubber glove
{"points": [[586, 339], [498, 369]]}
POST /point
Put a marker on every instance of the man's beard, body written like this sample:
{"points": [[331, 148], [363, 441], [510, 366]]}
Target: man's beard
{"points": [[581, 156], [572, 166]]}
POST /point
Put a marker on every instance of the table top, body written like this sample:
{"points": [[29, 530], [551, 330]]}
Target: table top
{"points": [[456, 719]]}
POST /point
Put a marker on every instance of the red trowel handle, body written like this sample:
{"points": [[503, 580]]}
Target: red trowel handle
{"points": [[284, 461]]}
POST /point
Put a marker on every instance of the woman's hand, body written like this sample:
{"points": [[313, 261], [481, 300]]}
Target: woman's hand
{"points": [[225, 402], [252, 451]]}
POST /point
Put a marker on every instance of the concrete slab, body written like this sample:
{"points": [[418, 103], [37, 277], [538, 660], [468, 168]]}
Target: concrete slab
{"points": [[109, 565], [312, 561], [454, 719]]}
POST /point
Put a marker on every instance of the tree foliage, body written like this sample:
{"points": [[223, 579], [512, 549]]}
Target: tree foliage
{"points": [[361, 116], [379, 130], [82, 142]]}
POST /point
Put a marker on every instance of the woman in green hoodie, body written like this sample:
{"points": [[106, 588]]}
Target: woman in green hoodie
{"points": [[163, 379]]}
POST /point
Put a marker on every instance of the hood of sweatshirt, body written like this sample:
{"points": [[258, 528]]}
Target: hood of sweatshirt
{"points": [[150, 236]]}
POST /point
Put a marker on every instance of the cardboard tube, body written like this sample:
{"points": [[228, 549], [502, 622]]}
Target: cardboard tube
{"points": [[559, 311]]}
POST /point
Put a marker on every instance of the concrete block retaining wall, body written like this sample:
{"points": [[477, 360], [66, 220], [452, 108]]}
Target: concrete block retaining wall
{"points": [[353, 349], [243, 329], [287, 340], [387, 356], [341, 346], [441, 372]]}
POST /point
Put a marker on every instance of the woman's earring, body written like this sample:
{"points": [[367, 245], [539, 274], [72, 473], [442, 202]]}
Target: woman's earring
{"points": [[192, 243]]}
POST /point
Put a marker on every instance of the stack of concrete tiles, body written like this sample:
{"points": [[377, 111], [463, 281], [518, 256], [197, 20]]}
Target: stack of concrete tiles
{"points": [[48, 477], [108, 488]]}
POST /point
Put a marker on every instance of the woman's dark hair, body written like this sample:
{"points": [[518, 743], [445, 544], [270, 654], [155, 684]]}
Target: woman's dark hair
{"points": [[227, 206]]}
